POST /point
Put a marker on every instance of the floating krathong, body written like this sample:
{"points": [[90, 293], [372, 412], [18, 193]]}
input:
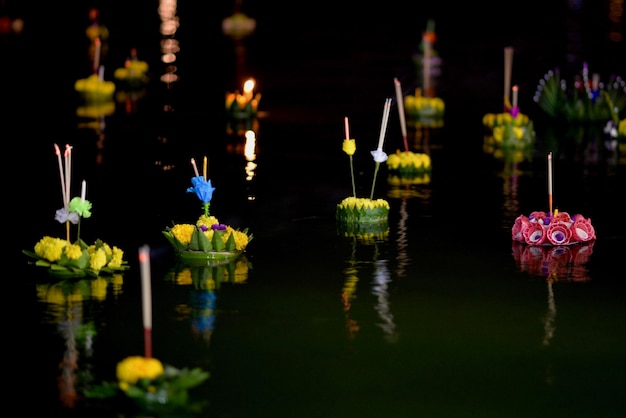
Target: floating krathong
{"points": [[356, 215], [552, 227], [70, 259], [207, 241], [587, 98], [243, 105]]}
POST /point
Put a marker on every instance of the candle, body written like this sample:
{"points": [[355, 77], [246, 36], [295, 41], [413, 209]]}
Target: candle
{"points": [[96, 55], [515, 96], [248, 87], [400, 100], [68, 173], [550, 181], [347, 127], [195, 167], [383, 126], [146, 297], [83, 191], [427, 54], [204, 168], [508, 67], [58, 153]]}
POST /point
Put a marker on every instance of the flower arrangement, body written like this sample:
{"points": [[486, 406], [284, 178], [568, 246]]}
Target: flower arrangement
{"points": [[64, 258], [587, 98], [207, 240], [243, 105], [94, 88], [151, 385], [409, 164], [508, 131], [134, 73], [541, 228], [353, 210]]}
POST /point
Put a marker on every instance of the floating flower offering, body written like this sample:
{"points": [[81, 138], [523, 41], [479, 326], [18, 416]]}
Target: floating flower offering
{"points": [[356, 210], [586, 98], [243, 105], [94, 88], [540, 228], [134, 73], [409, 164], [151, 385], [206, 240], [65, 258]]}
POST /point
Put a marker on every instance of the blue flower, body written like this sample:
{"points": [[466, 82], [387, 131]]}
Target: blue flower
{"points": [[202, 188]]}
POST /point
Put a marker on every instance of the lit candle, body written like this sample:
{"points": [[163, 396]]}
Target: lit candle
{"points": [[347, 127], [248, 87], [146, 297], [514, 104], [383, 127], [195, 167], [204, 168], [83, 191]]}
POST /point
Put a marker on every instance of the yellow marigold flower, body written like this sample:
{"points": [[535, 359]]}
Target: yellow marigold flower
{"points": [[133, 368], [184, 277], [208, 233], [183, 232], [519, 132], [349, 146], [50, 248], [97, 259], [207, 221], [99, 288], [55, 295], [241, 239], [73, 251], [621, 128], [116, 258]]}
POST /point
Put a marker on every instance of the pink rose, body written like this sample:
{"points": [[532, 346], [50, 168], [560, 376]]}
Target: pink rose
{"points": [[582, 230], [521, 223], [559, 233], [534, 234]]}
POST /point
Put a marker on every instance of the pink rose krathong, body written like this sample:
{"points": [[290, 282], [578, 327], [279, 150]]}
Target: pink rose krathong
{"points": [[541, 228]]}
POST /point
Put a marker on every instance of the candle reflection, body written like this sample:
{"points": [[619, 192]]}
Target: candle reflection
{"points": [[169, 45]]}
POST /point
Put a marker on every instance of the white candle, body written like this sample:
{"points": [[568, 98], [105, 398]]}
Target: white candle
{"points": [[383, 126], [345, 123], [146, 291], [514, 104], [550, 174], [68, 173], [400, 101], [57, 150], [195, 167], [96, 55], [83, 191]]}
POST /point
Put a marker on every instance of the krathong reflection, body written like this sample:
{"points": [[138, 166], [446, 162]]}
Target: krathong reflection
{"points": [[561, 263], [65, 302], [169, 44], [379, 288], [204, 282]]}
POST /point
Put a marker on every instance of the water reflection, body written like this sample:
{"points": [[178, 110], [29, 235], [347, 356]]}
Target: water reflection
{"points": [[555, 263], [204, 283], [68, 305]]}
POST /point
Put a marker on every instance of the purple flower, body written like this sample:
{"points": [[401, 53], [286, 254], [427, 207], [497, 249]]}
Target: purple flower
{"points": [[218, 227]]}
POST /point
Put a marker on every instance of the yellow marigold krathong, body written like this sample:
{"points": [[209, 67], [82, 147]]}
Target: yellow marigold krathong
{"points": [[206, 241], [133, 368]]}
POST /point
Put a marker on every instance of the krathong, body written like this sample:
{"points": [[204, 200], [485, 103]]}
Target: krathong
{"points": [[95, 88], [363, 216], [134, 73], [151, 386], [243, 105], [553, 227], [588, 98], [65, 258], [207, 240]]}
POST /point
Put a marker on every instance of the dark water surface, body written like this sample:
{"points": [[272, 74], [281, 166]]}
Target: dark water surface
{"points": [[442, 318]]}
